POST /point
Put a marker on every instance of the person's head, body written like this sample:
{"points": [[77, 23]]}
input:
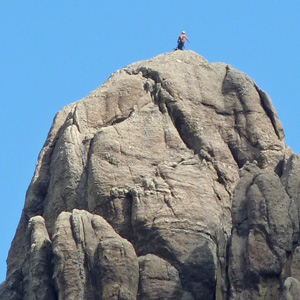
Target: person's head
{"points": [[183, 32]]}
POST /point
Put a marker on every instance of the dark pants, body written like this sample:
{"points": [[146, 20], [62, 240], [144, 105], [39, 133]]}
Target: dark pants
{"points": [[180, 46]]}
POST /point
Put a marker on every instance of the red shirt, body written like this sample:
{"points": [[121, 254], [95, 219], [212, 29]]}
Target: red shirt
{"points": [[182, 38]]}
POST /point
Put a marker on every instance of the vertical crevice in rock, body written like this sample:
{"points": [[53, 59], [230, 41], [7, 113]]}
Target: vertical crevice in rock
{"points": [[121, 218], [270, 111], [38, 268], [79, 237]]}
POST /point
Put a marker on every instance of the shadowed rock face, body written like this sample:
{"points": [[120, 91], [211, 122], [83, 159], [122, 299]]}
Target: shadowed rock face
{"points": [[170, 181]]}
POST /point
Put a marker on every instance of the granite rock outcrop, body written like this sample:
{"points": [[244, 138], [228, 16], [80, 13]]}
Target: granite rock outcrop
{"points": [[170, 181]]}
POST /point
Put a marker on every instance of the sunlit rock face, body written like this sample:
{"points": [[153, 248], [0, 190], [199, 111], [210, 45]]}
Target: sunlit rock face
{"points": [[170, 181]]}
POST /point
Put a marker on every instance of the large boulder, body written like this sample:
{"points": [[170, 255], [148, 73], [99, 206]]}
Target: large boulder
{"points": [[170, 181], [265, 221]]}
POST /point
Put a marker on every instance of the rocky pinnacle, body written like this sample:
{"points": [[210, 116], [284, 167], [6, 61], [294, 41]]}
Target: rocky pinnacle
{"points": [[170, 181]]}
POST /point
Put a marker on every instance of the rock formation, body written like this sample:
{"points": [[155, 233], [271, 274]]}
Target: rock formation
{"points": [[170, 181]]}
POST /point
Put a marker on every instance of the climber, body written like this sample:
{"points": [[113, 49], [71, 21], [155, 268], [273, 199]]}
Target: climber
{"points": [[181, 41]]}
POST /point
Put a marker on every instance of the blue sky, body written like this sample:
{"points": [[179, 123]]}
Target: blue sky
{"points": [[55, 52]]}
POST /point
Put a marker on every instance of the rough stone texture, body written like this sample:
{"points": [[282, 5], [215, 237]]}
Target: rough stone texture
{"points": [[37, 270], [159, 280], [291, 289], [265, 219], [170, 181], [91, 260]]}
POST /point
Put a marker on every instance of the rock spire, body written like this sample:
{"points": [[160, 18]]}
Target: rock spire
{"points": [[170, 181]]}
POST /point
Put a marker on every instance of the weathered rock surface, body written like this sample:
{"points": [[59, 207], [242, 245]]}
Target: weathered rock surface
{"points": [[265, 220], [91, 261], [170, 181], [159, 280]]}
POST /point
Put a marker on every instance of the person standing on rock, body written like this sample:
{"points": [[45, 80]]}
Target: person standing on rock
{"points": [[181, 41]]}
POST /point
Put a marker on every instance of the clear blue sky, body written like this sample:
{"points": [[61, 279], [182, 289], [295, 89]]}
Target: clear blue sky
{"points": [[55, 52]]}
